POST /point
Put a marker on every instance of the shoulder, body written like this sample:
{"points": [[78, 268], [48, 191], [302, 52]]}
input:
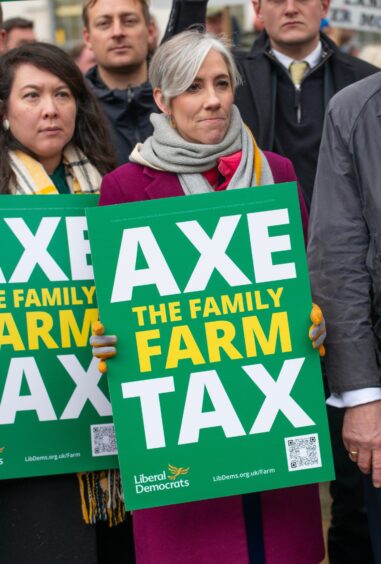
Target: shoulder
{"points": [[361, 68], [358, 99], [281, 167], [344, 62], [125, 184], [359, 92], [256, 52], [133, 182], [126, 172]]}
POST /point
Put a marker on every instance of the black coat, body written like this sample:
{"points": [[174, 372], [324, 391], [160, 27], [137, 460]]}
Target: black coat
{"points": [[127, 112], [268, 100], [256, 97]]}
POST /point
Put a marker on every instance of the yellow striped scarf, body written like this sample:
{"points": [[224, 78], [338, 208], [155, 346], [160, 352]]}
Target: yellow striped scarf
{"points": [[31, 177]]}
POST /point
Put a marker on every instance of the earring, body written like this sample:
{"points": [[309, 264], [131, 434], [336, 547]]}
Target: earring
{"points": [[172, 121], [5, 124]]}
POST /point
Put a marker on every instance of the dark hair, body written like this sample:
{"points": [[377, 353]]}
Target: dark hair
{"points": [[1, 16], [21, 23], [76, 51], [91, 133], [90, 3]]}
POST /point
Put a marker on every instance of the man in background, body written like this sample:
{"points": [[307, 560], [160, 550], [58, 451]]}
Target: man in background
{"points": [[290, 74], [220, 22], [19, 32], [121, 34], [83, 57]]}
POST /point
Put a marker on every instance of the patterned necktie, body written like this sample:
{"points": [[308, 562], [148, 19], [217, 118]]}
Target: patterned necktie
{"points": [[297, 71]]}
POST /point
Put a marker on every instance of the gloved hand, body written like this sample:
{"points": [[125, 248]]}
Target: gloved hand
{"points": [[317, 332], [102, 345]]}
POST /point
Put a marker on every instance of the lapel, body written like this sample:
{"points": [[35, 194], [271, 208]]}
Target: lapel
{"points": [[343, 69], [160, 184]]}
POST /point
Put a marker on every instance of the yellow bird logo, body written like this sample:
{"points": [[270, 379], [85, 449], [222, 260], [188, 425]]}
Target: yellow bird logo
{"points": [[176, 472]]}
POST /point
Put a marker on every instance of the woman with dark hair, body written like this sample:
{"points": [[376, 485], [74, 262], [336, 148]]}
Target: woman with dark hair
{"points": [[201, 145], [53, 140], [48, 113]]}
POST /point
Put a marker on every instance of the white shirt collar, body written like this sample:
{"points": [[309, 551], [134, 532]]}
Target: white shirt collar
{"points": [[312, 59]]}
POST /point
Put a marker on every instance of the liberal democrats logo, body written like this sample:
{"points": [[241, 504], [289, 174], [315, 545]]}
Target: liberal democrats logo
{"points": [[147, 483]]}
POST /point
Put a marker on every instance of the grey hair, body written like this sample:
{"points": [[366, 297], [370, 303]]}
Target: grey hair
{"points": [[176, 63]]}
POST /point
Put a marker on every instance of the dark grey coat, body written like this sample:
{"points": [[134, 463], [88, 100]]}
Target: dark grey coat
{"points": [[344, 251]]}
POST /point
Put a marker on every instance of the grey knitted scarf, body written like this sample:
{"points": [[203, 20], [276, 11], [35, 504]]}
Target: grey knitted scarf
{"points": [[167, 150]]}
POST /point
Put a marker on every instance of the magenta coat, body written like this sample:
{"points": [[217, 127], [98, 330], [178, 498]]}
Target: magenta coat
{"points": [[214, 531]]}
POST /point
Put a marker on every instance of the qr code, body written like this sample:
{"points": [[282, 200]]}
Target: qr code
{"points": [[303, 452], [103, 441]]}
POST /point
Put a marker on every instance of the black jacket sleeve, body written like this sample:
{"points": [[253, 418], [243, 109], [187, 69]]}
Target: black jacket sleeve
{"points": [[185, 13]]}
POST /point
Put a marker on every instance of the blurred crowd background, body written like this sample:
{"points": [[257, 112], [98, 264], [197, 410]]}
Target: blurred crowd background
{"points": [[354, 25]]}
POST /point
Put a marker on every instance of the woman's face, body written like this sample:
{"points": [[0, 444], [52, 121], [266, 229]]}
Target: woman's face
{"points": [[41, 111], [202, 113]]}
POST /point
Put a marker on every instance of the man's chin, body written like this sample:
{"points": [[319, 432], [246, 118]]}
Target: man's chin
{"points": [[121, 67], [295, 38]]}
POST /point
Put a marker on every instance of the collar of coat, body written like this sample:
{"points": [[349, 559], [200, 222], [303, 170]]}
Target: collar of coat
{"points": [[141, 94]]}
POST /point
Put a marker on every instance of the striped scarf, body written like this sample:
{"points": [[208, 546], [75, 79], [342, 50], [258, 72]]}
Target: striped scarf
{"points": [[102, 497], [31, 177]]}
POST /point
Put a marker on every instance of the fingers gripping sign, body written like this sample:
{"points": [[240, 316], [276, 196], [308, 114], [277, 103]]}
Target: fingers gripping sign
{"points": [[317, 332], [103, 345]]}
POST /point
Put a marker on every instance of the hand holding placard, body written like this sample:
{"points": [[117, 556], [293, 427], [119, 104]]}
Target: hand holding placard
{"points": [[103, 345], [317, 332]]}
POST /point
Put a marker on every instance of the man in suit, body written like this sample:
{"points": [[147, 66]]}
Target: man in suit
{"points": [[287, 117]]}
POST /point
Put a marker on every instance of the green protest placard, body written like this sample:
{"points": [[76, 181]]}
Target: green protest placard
{"points": [[216, 389], [55, 413]]}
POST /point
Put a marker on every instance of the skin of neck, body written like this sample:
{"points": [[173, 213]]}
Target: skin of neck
{"points": [[124, 77], [50, 164], [297, 51]]}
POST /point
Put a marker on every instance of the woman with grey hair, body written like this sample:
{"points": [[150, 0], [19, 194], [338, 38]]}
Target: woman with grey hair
{"points": [[176, 65], [199, 145]]}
